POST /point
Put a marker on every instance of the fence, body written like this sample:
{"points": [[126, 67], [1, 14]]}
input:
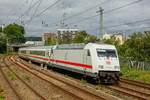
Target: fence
{"points": [[141, 65]]}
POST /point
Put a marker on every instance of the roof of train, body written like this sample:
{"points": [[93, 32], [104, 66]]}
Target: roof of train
{"points": [[67, 46]]}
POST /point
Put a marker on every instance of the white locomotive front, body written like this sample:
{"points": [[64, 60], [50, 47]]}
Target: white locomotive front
{"points": [[105, 62], [99, 61]]}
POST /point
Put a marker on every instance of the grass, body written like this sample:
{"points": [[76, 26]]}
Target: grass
{"points": [[83, 81], [26, 78], [1, 94], [2, 97], [100, 87], [11, 75], [134, 74]]}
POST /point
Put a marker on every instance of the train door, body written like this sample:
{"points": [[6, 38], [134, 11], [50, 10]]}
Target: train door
{"points": [[50, 56], [85, 59]]}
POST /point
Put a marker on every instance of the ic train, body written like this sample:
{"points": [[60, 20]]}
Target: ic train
{"points": [[99, 61]]}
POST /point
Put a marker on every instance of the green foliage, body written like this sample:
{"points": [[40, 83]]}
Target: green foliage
{"points": [[51, 41], [91, 38], [14, 33], [12, 76], [80, 37], [2, 98], [134, 74], [26, 78], [66, 38], [2, 44], [137, 47], [0, 29], [1, 94], [83, 37], [83, 81]]}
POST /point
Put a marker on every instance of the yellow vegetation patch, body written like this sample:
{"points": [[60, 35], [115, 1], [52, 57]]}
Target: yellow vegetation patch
{"points": [[1, 94], [135, 74]]}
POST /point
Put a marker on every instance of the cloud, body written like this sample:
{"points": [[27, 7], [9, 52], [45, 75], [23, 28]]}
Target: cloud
{"points": [[11, 10]]}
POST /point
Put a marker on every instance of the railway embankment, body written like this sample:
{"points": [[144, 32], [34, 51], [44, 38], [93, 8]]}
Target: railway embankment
{"points": [[134, 74], [26, 78]]}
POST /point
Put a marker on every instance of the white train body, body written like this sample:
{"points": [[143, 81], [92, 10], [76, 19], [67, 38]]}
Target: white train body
{"points": [[96, 60]]}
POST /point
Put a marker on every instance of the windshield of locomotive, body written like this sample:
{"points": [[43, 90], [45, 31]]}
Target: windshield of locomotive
{"points": [[106, 53]]}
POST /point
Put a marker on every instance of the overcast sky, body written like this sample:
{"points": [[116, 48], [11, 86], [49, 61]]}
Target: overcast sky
{"points": [[118, 13]]}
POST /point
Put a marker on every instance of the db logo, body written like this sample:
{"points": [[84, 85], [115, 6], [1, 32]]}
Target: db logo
{"points": [[108, 61]]}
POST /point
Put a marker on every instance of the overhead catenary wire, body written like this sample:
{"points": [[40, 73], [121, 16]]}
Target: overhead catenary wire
{"points": [[43, 11], [36, 9], [28, 10], [13, 10], [86, 10], [130, 29], [118, 25], [105, 12], [82, 12], [109, 11], [127, 23]]}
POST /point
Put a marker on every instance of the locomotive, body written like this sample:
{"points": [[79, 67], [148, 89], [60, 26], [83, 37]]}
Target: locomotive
{"points": [[98, 61]]}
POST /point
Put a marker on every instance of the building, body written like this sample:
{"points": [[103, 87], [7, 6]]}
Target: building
{"points": [[47, 36], [118, 37], [34, 43], [72, 32], [106, 36]]}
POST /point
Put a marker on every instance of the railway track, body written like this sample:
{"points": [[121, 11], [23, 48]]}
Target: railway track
{"points": [[68, 86], [136, 83], [15, 93], [132, 92], [137, 90], [18, 77]]}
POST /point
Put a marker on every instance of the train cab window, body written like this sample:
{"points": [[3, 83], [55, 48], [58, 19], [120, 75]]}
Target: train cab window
{"points": [[88, 53], [106, 53]]}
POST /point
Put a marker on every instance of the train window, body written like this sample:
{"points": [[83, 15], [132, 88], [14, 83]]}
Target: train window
{"points": [[41, 53], [88, 53], [106, 53], [23, 51]]}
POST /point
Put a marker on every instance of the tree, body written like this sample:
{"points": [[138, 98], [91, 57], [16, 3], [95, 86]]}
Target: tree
{"points": [[91, 38], [136, 46], [14, 33], [147, 45], [2, 44], [0, 29], [112, 40], [66, 38], [51, 41], [80, 37]]}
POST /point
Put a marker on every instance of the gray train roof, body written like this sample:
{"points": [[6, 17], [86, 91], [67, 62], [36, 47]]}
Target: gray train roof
{"points": [[62, 47], [42, 48], [71, 46]]}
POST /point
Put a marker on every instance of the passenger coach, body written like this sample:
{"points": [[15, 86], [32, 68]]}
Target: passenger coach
{"points": [[99, 61]]}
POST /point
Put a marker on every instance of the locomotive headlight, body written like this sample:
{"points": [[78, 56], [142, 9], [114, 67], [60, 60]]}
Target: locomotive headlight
{"points": [[116, 67], [101, 66]]}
